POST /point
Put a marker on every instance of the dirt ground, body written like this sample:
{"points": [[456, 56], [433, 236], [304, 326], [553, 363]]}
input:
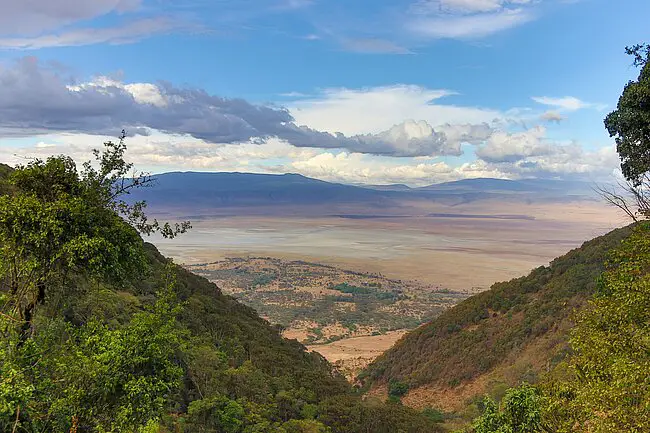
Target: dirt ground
{"points": [[351, 355]]}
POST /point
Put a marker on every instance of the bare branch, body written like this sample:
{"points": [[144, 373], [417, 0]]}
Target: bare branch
{"points": [[632, 198]]}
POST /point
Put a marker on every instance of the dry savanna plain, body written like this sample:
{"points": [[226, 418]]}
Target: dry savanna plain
{"points": [[350, 284]]}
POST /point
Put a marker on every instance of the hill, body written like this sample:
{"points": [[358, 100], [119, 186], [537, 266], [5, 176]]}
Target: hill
{"points": [[219, 190], [495, 339], [212, 192]]}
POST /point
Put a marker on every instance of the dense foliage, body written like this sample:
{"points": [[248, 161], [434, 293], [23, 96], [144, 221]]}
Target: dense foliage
{"points": [[519, 412], [608, 385], [630, 122], [99, 332]]}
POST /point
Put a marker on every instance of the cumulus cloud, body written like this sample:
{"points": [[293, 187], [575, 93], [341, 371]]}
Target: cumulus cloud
{"points": [[35, 99], [191, 128], [370, 110], [159, 152], [572, 161], [531, 154], [356, 168], [510, 147]]}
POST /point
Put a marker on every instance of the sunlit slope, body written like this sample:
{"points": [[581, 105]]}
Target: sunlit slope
{"points": [[522, 323]]}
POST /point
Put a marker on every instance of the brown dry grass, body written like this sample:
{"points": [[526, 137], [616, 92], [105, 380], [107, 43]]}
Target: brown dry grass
{"points": [[351, 355]]}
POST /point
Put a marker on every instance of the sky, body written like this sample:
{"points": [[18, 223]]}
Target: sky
{"points": [[353, 91]]}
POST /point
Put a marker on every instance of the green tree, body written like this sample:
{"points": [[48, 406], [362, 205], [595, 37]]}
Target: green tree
{"points": [[630, 122], [62, 232], [397, 389], [59, 223], [93, 377], [520, 412]]}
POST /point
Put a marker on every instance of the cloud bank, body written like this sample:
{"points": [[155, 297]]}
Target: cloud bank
{"points": [[35, 99], [347, 137]]}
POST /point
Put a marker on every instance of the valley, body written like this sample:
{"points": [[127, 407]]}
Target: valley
{"points": [[411, 262], [409, 253], [304, 216], [349, 317]]}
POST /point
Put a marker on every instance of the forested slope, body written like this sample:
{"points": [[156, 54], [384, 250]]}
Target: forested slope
{"points": [[99, 332]]}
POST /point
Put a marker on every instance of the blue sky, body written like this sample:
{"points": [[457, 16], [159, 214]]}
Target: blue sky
{"points": [[369, 91]]}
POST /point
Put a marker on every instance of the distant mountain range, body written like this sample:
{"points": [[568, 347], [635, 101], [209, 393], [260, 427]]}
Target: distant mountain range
{"points": [[207, 191]]}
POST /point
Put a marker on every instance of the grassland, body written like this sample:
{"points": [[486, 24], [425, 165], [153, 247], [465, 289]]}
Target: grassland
{"points": [[320, 304]]}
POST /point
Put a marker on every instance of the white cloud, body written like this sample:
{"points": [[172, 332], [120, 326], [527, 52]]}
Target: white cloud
{"points": [[552, 116], [370, 110], [357, 168], [126, 33], [36, 100], [467, 19], [568, 161], [531, 154], [469, 26], [506, 147], [192, 129], [159, 152], [567, 103], [142, 93]]}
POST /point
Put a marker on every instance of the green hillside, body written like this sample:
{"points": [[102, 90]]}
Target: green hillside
{"points": [[513, 331], [99, 332]]}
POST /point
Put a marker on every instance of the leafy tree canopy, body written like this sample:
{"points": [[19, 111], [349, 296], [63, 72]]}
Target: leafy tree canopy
{"points": [[60, 222], [630, 122]]}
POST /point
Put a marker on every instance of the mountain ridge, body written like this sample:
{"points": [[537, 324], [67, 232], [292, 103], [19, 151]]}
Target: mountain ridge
{"points": [[224, 190]]}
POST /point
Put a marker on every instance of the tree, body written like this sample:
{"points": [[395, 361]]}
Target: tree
{"points": [[92, 377], [520, 412], [58, 223], [65, 233], [629, 124]]}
